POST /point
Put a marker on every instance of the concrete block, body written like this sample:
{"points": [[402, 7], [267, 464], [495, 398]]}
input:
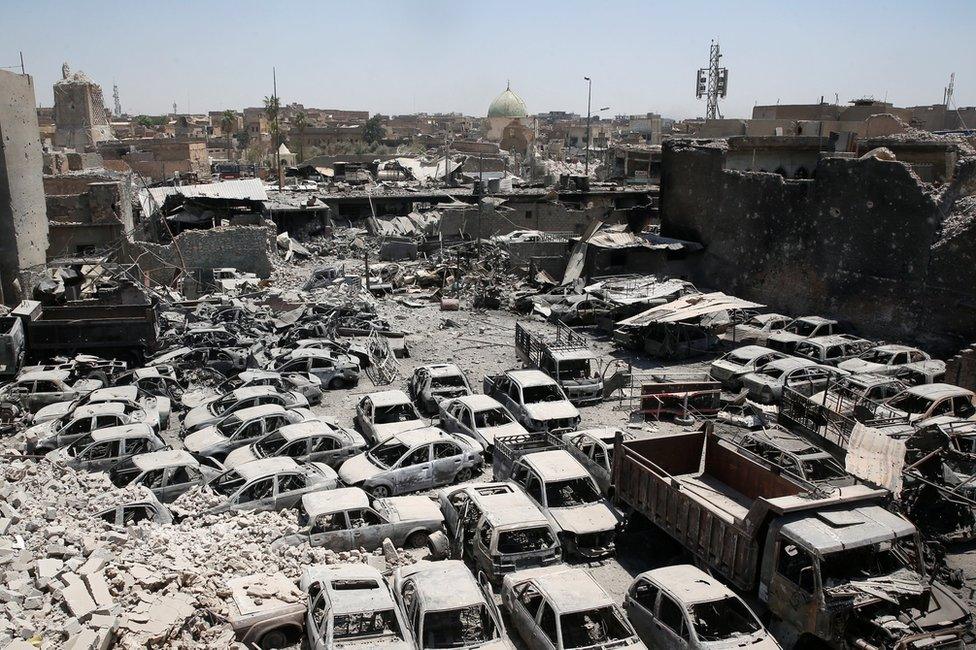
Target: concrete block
{"points": [[78, 601]]}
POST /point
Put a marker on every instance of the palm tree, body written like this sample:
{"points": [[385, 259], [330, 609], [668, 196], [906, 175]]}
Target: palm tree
{"points": [[271, 107], [228, 120], [300, 122]]}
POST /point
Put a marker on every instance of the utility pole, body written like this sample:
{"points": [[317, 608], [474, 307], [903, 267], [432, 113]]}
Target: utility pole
{"points": [[589, 96], [277, 144], [712, 82]]}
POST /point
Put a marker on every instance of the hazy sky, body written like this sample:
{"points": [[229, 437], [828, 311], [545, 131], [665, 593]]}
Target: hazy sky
{"points": [[407, 56]]}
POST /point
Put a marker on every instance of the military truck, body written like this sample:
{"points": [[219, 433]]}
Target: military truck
{"points": [[830, 564]]}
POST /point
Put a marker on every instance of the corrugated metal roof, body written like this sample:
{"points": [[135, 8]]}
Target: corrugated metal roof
{"points": [[688, 307], [244, 189]]}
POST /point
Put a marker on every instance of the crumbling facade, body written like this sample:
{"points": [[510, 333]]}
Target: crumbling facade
{"points": [[79, 112], [864, 240], [23, 220]]}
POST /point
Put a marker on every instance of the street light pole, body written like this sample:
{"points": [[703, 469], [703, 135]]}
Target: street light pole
{"points": [[589, 96]]}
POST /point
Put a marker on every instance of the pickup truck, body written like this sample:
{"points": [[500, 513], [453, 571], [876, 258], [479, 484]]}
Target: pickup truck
{"points": [[585, 521], [535, 399], [831, 566], [567, 359]]}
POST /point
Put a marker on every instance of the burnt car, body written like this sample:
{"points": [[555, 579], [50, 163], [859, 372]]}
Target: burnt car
{"points": [[344, 519], [430, 385]]}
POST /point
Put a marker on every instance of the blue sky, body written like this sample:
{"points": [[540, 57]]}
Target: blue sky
{"points": [[401, 57]]}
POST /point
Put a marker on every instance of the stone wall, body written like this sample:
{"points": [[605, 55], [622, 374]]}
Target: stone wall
{"points": [[23, 219], [246, 248], [87, 211], [864, 241]]}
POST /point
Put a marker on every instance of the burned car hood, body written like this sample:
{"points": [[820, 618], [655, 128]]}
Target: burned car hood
{"points": [[239, 456], [386, 431], [357, 469], [551, 410], [198, 416], [589, 518], [52, 412], [203, 439]]}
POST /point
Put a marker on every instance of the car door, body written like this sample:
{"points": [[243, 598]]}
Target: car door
{"points": [[640, 603], [178, 480], [329, 450], [452, 420], [364, 415], [48, 392], [414, 472], [256, 495], [448, 461], [672, 623], [324, 369], [599, 466], [451, 507], [289, 487], [97, 456], [331, 531], [524, 609], [545, 631], [370, 528]]}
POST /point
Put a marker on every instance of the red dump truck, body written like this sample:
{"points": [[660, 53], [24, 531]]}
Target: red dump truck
{"points": [[831, 565]]}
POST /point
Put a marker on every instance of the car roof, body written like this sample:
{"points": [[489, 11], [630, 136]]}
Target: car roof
{"points": [[938, 391], [306, 429], [868, 379], [421, 436], [164, 458], [136, 430], [554, 465], [348, 601], [99, 408], [258, 411], [789, 363], [509, 508], [326, 502], [302, 353], [246, 392], [762, 318], [572, 354], [530, 377], [569, 589], [818, 320], [687, 584], [146, 372], [442, 369], [752, 351], [113, 393], [267, 467], [478, 402], [445, 584], [35, 375], [252, 374], [896, 347], [388, 397], [834, 339]]}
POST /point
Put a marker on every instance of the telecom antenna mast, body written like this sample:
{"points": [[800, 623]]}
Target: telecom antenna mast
{"points": [[712, 82], [118, 102]]}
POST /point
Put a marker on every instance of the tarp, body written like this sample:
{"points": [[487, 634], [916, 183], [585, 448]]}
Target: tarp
{"points": [[690, 307]]}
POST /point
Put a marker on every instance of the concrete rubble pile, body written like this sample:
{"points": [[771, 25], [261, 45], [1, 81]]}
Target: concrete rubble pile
{"points": [[72, 580]]}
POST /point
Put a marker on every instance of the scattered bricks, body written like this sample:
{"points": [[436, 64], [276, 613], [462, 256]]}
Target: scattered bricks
{"points": [[87, 639], [93, 565], [78, 601], [99, 589], [10, 596], [48, 568]]}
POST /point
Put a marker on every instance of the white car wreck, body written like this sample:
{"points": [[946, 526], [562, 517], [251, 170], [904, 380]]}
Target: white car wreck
{"points": [[382, 415]]}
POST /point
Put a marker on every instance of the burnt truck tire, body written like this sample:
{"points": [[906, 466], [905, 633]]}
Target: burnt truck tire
{"points": [[439, 546]]}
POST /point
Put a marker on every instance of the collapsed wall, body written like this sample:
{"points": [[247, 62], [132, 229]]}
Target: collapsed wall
{"points": [[245, 248], [864, 241]]}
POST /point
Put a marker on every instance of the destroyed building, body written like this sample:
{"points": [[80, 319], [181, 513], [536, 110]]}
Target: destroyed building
{"points": [[79, 112]]}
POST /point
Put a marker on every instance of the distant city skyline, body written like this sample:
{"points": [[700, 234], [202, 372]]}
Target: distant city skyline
{"points": [[439, 57]]}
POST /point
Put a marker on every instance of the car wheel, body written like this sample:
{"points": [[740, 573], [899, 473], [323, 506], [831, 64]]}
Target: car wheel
{"points": [[463, 475], [417, 539], [274, 639], [380, 492], [337, 383]]}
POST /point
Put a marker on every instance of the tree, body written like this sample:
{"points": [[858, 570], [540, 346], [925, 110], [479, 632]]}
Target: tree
{"points": [[374, 130], [228, 122], [300, 122], [272, 105]]}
